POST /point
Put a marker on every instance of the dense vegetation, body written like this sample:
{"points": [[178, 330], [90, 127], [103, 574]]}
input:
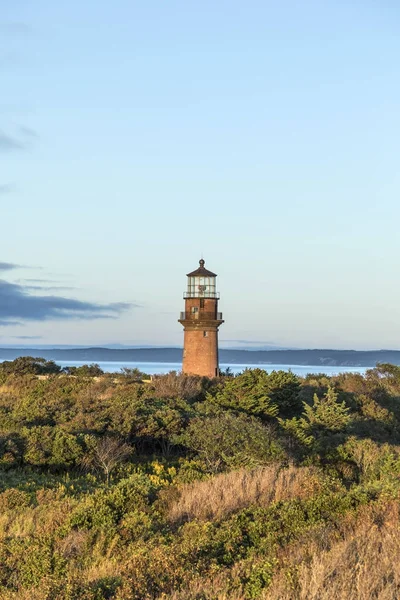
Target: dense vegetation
{"points": [[255, 486]]}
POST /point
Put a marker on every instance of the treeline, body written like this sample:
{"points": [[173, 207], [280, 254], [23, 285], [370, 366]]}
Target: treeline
{"points": [[29, 365], [320, 356], [115, 487]]}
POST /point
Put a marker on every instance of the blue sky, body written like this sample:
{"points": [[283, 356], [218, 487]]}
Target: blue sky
{"points": [[135, 136]]}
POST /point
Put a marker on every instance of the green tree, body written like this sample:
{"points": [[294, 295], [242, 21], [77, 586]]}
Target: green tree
{"points": [[156, 422], [248, 392], [230, 441], [298, 429], [92, 370], [39, 445], [29, 365], [66, 451], [284, 390], [327, 412], [134, 374]]}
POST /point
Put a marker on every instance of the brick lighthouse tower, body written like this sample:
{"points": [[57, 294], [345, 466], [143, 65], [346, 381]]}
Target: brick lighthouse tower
{"points": [[201, 320]]}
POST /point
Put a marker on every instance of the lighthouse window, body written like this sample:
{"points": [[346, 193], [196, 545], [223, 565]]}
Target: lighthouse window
{"points": [[195, 309], [205, 333], [201, 302]]}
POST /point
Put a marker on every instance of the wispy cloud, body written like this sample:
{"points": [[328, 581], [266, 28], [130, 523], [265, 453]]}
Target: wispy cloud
{"points": [[29, 281], [9, 143], [43, 285], [6, 188], [48, 288], [27, 337], [21, 140], [6, 266], [28, 132]]}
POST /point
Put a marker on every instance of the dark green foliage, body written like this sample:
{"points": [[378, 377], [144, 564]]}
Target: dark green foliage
{"points": [[248, 392], [258, 393], [284, 391], [134, 374], [327, 412], [45, 445], [299, 430], [25, 562], [325, 416], [92, 370], [157, 422], [28, 365], [231, 441], [105, 509]]}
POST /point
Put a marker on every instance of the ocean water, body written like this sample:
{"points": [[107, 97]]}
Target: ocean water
{"points": [[153, 368]]}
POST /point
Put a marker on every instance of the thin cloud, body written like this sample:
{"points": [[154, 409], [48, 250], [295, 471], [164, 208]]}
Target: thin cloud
{"points": [[6, 188], [9, 143], [27, 337], [28, 132], [48, 288], [24, 139], [44, 285], [6, 266], [36, 281], [17, 303]]}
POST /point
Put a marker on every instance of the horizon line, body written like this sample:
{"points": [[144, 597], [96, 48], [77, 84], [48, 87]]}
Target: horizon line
{"points": [[172, 347]]}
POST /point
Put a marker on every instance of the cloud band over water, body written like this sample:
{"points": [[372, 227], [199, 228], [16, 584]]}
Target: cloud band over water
{"points": [[17, 305]]}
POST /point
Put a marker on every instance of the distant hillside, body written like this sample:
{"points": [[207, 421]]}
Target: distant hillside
{"points": [[351, 358]]}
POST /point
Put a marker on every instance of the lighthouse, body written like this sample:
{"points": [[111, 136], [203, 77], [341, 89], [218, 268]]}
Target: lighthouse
{"points": [[201, 321]]}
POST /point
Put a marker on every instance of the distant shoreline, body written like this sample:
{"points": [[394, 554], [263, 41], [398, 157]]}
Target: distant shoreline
{"points": [[345, 358]]}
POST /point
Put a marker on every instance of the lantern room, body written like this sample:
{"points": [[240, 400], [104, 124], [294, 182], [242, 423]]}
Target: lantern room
{"points": [[201, 283]]}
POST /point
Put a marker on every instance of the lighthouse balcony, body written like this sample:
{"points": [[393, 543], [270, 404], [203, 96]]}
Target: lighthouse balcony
{"points": [[200, 316], [200, 294]]}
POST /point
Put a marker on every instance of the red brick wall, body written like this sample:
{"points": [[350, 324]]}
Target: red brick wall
{"points": [[200, 354], [210, 305]]}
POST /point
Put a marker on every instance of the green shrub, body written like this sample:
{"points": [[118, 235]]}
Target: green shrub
{"points": [[248, 392], [327, 412], [231, 441]]}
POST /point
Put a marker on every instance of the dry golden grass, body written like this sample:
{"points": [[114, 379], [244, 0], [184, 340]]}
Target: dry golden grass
{"points": [[229, 492], [43, 519], [73, 544], [30, 594], [360, 560], [203, 589], [103, 568], [177, 385], [364, 565]]}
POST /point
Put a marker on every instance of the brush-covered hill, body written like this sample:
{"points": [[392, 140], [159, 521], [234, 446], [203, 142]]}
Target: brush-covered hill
{"points": [[256, 486]]}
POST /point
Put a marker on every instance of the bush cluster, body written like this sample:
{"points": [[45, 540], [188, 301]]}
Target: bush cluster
{"points": [[115, 487]]}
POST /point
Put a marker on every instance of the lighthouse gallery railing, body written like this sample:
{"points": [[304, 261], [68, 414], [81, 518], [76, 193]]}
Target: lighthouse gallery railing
{"points": [[200, 316]]}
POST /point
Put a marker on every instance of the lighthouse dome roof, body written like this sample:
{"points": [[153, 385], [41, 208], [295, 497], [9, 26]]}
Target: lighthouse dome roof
{"points": [[201, 271]]}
